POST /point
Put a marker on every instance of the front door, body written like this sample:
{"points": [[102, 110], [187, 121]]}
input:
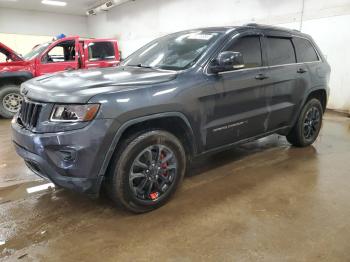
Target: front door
{"points": [[60, 56], [100, 53], [241, 110]]}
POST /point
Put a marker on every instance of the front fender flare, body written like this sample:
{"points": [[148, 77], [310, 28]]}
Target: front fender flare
{"points": [[18, 75], [129, 123]]}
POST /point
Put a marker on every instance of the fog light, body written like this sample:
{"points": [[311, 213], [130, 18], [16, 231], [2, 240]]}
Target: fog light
{"points": [[68, 155]]}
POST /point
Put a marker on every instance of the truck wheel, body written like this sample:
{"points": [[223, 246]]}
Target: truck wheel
{"points": [[146, 171], [10, 100], [308, 126]]}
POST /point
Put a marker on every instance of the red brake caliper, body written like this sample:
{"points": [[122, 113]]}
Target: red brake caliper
{"points": [[164, 165], [155, 195]]}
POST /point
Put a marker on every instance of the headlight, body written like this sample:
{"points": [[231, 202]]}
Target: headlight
{"points": [[74, 113]]}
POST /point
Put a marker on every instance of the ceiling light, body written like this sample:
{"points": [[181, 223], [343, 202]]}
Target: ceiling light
{"points": [[55, 3]]}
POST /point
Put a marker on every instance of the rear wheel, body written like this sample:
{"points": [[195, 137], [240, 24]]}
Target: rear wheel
{"points": [[10, 100], [146, 171], [308, 126]]}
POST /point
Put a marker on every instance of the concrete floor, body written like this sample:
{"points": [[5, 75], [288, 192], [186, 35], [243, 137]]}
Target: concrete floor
{"points": [[264, 201]]}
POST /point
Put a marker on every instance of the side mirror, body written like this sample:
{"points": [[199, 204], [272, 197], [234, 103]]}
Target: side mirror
{"points": [[227, 61]]}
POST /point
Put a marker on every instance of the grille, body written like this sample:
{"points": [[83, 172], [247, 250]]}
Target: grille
{"points": [[29, 114]]}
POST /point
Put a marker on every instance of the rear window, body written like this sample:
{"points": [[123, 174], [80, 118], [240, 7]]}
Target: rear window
{"points": [[280, 51], [101, 51], [304, 50]]}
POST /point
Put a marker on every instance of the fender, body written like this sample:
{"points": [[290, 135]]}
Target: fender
{"points": [[22, 75], [316, 88], [129, 123]]}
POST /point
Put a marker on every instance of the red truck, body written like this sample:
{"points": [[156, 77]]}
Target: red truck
{"points": [[68, 53]]}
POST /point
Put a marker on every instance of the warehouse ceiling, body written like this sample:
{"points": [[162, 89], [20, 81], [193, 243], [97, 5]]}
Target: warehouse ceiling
{"points": [[74, 7]]}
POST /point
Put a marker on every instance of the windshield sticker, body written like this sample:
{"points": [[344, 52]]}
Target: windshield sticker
{"points": [[200, 36]]}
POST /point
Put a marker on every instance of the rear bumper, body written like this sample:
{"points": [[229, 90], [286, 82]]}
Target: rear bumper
{"points": [[71, 159]]}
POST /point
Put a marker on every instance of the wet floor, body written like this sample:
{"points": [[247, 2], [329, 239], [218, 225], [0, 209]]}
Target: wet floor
{"points": [[264, 201]]}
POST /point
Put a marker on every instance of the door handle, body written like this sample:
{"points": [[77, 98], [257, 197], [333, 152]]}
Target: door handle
{"points": [[301, 70], [261, 77]]}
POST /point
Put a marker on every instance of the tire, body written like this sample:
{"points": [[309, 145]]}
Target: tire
{"points": [[310, 118], [156, 184], [10, 99]]}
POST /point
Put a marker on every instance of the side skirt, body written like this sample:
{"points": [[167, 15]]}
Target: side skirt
{"points": [[281, 130]]}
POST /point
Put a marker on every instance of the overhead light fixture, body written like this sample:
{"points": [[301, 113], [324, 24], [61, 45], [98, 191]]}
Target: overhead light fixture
{"points": [[106, 6], [91, 12], [55, 3]]}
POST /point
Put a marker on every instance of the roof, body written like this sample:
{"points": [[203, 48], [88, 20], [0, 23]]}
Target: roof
{"points": [[271, 27], [253, 25]]}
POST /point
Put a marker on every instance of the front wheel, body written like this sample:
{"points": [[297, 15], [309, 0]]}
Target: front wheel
{"points": [[10, 100], [308, 126], [146, 171]]}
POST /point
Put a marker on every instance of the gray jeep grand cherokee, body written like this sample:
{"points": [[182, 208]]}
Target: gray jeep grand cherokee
{"points": [[134, 128]]}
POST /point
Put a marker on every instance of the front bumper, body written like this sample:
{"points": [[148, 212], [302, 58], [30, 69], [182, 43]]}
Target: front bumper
{"points": [[71, 159]]}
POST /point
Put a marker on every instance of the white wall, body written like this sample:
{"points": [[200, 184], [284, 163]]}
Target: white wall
{"points": [[332, 35], [13, 21], [138, 22], [22, 44]]}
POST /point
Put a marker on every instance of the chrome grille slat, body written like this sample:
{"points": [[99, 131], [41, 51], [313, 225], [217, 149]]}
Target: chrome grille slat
{"points": [[32, 119], [29, 114]]}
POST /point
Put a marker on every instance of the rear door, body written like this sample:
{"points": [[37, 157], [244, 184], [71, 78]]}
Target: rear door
{"points": [[60, 56], [285, 88], [100, 53], [310, 68]]}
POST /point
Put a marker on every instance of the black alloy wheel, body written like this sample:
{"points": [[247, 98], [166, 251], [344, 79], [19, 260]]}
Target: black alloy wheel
{"points": [[153, 172], [146, 170], [308, 125]]}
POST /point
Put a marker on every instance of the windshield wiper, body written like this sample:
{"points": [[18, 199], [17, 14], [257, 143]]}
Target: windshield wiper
{"points": [[143, 66]]}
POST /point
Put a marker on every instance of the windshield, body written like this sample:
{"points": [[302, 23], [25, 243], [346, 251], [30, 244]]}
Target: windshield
{"points": [[173, 52], [36, 51]]}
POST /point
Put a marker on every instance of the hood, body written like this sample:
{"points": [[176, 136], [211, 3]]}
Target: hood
{"points": [[79, 86], [10, 53]]}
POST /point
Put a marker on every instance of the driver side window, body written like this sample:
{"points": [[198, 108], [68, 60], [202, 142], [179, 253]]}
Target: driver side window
{"points": [[250, 48], [63, 52]]}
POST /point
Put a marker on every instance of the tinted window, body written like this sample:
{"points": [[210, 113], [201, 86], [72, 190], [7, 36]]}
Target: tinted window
{"points": [[249, 47], [101, 51], [280, 51], [305, 51]]}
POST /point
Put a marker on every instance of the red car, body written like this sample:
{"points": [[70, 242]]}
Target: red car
{"points": [[68, 53]]}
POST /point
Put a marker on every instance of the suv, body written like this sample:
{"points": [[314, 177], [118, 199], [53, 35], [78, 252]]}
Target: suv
{"points": [[64, 54], [134, 128]]}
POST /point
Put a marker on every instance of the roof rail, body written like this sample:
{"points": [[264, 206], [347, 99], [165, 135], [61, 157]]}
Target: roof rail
{"points": [[251, 24], [270, 27]]}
